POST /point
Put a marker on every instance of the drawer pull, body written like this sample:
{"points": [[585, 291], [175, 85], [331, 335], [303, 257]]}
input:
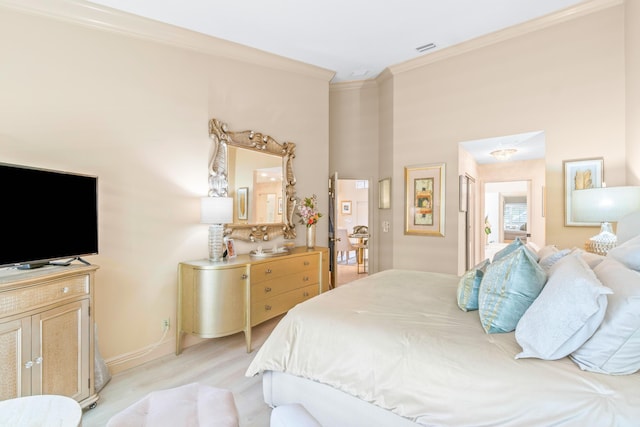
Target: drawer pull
{"points": [[305, 294], [244, 277], [268, 271], [28, 365], [306, 263], [65, 290], [267, 307], [267, 289], [38, 360], [305, 279]]}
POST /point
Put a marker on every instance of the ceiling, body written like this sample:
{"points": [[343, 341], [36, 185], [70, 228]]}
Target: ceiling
{"points": [[528, 146], [357, 39]]}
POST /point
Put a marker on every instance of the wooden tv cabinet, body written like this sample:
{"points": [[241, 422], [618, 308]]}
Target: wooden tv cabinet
{"points": [[47, 333]]}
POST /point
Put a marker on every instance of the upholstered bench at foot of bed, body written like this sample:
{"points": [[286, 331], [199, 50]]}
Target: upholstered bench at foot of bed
{"points": [[292, 415], [189, 405]]}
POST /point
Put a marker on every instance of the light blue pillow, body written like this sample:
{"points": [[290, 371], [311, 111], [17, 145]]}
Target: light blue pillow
{"points": [[516, 244], [469, 286], [508, 288]]}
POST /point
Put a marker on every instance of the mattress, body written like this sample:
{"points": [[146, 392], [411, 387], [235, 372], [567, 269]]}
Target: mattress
{"points": [[397, 340]]}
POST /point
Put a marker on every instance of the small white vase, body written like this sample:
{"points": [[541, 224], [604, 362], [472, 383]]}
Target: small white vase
{"points": [[311, 236]]}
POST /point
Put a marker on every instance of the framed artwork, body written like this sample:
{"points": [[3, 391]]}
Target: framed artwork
{"points": [[580, 174], [243, 203], [231, 248], [384, 193], [424, 199], [345, 207]]}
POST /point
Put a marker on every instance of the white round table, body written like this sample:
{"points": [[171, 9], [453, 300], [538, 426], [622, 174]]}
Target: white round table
{"points": [[40, 411]]}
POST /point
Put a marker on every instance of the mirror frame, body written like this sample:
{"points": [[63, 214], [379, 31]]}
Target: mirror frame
{"points": [[218, 183]]}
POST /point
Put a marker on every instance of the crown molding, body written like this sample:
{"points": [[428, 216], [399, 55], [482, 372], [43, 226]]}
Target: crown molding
{"points": [[103, 18], [508, 33], [353, 85]]}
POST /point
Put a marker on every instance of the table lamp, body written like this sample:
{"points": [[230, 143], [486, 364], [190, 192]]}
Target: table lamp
{"points": [[604, 205], [216, 211]]}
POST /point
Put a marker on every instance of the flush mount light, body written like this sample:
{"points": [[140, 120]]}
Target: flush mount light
{"points": [[503, 153], [426, 47]]}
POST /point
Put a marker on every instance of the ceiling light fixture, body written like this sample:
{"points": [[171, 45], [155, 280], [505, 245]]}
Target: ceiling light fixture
{"points": [[503, 153], [426, 47]]}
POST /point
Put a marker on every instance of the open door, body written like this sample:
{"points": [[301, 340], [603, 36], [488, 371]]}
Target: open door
{"points": [[333, 214]]}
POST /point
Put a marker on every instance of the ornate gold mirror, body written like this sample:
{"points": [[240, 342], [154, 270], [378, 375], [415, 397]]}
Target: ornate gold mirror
{"points": [[257, 172]]}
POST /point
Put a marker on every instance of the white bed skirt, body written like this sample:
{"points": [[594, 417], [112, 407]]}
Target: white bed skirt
{"points": [[330, 406]]}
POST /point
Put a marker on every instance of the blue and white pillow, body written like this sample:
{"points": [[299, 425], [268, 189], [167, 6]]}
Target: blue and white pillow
{"points": [[469, 286], [508, 288]]}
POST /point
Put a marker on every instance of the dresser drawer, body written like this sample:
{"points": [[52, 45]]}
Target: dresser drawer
{"points": [[274, 306], [283, 267], [270, 288], [32, 297]]}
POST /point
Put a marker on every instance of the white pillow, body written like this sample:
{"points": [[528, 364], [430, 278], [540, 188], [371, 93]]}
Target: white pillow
{"points": [[615, 346], [628, 253], [547, 250], [567, 312], [549, 260]]}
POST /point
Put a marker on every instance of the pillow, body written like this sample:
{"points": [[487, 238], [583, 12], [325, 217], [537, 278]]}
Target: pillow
{"points": [[547, 250], [567, 312], [549, 260], [628, 253], [516, 244], [534, 248], [508, 288], [592, 259], [469, 285], [615, 346]]}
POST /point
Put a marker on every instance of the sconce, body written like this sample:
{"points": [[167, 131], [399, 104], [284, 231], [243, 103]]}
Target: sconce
{"points": [[216, 211]]}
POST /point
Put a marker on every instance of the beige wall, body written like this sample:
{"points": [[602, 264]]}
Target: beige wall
{"points": [[566, 79], [632, 57], [134, 112]]}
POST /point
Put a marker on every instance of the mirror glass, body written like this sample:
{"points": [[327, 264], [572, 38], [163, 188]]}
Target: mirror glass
{"points": [[255, 183]]}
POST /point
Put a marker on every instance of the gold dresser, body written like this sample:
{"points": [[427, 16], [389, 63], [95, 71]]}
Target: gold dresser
{"points": [[46, 333], [217, 299]]}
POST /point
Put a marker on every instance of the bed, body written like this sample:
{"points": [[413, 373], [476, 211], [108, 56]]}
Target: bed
{"points": [[394, 349]]}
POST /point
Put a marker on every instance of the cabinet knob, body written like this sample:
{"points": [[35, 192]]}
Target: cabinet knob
{"points": [[267, 307], [65, 290], [305, 279], [268, 271], [28, 365], [244, 277], [38, 360], [267, 289], [306, 263], [305, 294]]}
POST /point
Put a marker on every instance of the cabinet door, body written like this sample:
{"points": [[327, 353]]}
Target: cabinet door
{"points": [[15, 354], [60, 349]]}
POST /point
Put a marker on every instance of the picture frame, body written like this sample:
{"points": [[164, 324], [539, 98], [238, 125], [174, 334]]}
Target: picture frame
{"points": [[384, 193], [345, 207], [243, 203], [231, 248], [425, 200], [580, 174]]}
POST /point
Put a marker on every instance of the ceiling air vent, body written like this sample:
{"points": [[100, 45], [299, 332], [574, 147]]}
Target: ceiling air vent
{"points": [[426, 47]]}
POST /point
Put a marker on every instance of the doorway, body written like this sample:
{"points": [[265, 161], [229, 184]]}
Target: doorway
{"points": [[351, 230], [507, 211]]}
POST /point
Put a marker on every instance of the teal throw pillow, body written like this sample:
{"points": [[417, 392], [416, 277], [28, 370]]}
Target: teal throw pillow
{"points": [[516, 244], [508, 288], [469, 286]]}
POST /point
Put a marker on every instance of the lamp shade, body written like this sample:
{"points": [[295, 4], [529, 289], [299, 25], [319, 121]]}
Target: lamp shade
{"points": [[216, 210], [606, 204]]}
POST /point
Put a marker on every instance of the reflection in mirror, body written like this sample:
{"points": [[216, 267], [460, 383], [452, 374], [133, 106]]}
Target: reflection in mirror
{"points": [[257, 172]]}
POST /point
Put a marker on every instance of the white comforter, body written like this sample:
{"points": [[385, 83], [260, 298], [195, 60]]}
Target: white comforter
{"points": [[398, 340]]}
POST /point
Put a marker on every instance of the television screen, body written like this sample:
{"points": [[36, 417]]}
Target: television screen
{"points": [[46, 215]]}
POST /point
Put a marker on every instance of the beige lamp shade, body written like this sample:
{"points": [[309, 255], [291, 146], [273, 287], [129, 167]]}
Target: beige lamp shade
{"points": [[606, 204], [216, 210]]}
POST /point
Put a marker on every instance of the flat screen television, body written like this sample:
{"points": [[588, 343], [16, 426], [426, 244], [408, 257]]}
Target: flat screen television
{"points": [[46, 216]]}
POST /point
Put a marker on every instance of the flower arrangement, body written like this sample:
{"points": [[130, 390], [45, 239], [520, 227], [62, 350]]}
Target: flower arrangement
{"points": [[487, 225], [308, 212]]}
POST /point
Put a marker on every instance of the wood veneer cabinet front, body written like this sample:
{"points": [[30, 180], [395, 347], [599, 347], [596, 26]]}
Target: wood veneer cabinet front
{"points": [[223, 298], [46, 333]]}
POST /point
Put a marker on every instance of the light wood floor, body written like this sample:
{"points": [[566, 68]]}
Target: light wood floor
{"points": [[219, 362]]}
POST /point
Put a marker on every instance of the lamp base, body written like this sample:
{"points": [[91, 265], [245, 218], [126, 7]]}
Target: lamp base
{"points": [[603, 242], [216, 242]]}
